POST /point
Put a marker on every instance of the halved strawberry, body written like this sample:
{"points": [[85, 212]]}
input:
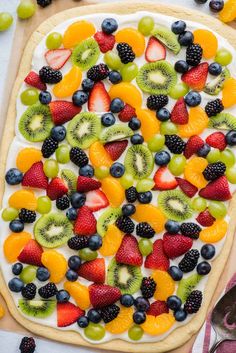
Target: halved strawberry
{"points": [[189, 189], [67, 314], [33, 79], [217, 190], [164, 180], [35, 177], [85, 184], [176, 245], [205, 219], [31, 254], [85, 223], [179, 114], [105, 41], [96, 200], [127, 113], [57, 58], [157, 308], [99, 100], [56, 188], [196, 77], [157, 259], [63, 111], [93, 271], [128, 252], [103, 295], [193, 145], [217, 140], [155, 50], [116, 148]]}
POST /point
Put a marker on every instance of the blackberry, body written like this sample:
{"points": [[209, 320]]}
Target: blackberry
{"points": [[77, 243], [214, 107], [27, 216], [144, 230], [214, 170], [175, 144], [29, 291], [148, 287], [131, 194], [49, 147], [194, 54], [109, 313], [156, 102], [125, 224], [44, 3], [48, 291], [48, 75], [191, 230], [125, 53], [189, 261], [98, 72], [27, 345], [78, 157], [193, 302], [63, 202]]}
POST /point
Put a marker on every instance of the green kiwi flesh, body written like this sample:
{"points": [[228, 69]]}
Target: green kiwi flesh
{"points": [[139, 161], [35, 123], [115, 133], [70, 180], [83, 130], [215, 86], [167, 37], [86, 54], [156, 78], [175, 205], [223, 121], [107, 217], [186, 285], [37, 308], [125, 277], [52, 230]]}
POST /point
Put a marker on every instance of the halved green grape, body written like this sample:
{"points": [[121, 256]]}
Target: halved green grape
{"points": [[223, 57], [6, 20], [213, 156], [227, 157], [168, 128], [44, 204], [146, 25], [9, 214], [51, 168], [26, 9], [231, 175], [129, 72], [63, 154], [179, 90], [135, 333], [217, 209], [101, 172], [145, 246], [198, 204], [95, 332], [30, 96], [28, 274], [112, 60], [87, 255], [145, 185], [127, 180], [54, 40], [156, 143], [177, 164]]}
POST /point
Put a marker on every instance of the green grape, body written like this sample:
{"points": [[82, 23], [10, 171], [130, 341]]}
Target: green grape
{"points": [[26, 9], [28, 274], [231, 175], [101, 172], [95, 332], [179, 90], [51, 168], [198, 204], [54, 40], [145, 185], [146, 25], [145, 246], [112, 60], [6, 20], [87, 255], [217, 209], [227, 157], [135, 333], [129, 72], [63, 154], [29, 96], [213, 156], [9, 214], [223, 57], [127, 180], [177, 164], [156, 143], [44, 204], [168, 128]]}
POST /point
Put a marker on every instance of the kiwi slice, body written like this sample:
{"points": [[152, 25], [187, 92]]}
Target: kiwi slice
{"points": [[70, 179], [186, 285], [167, 37], [156, 78], [175, 205], [86, 54], [223, 121], [52, 230], [215, 86], [35, 123], [108, 217], [125, 277], [139, 161], [115, 132], [37, 308], [83, 130]]}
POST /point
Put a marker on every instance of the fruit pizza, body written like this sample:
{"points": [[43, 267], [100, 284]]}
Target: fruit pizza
{"points": [[119, 178]]}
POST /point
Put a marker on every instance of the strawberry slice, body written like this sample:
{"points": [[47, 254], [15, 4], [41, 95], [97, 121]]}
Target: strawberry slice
{"points": [[179, 114], [176, 245], [116, 148], [205, 219], [128, 252], [217, 190], [193, 145], [105, 41], [57, 58], [93, 271], [155, 50], [56, 188], [217, 140], [103, 295], [31, 253], [67, 314], [63, 111], [33, 79], [127, 113], [189, 189], [157, 308], [85, 184], [85, 223], [35, 177], [157, 259], [196, 77], [164, 180], [96, 200], [99, 100]]}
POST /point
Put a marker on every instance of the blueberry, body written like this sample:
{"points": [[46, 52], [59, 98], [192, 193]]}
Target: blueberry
{"points": [[94, 316], [180, 315], [203, 268], [128, 209], [204, 150], [71, 214], [172, 227], [175, 273], [139, 317], [137, 139], [71, 275], [127, 300], [134, 123], [87, 84], [45, 97], [174, 303], [42, 274], [185, 38], [162, 158], [79, 98], [62, 296], [116, 105], [108, 119], [178, 27], [17, 268], [58, 133], [109, 25], [14, 176], [78, 199], [163, 114], [87, 171], [200, 1], [16, 226], [145, 197], [115, 77], [208, 251], [83, 322], [215, 69], [181, 66], [15, 285], [95, 242], [231, 138], [141, 304], [117, 170], [216, 5], [74, 262], [192, 99]]}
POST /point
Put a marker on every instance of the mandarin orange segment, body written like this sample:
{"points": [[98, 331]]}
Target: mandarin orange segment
{"points": [[99, 156], [197, 123], [111, 241], [127, 92], [122, 322], [13, 245], [77, 32], [214, 233], [228, 13], [150, 125], [193, 171], [55, 263], [23, 199], [69, 84], [132, 37], [113, 191], [165, 284], [229, 93], [159, 324], [27, 157], [79, 292], [208, 42], [151, 214]]}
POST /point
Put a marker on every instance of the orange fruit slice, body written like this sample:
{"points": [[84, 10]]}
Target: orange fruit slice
{"points": [[69, 84], [127, 92], [197, 123], [77, 32], [122, 322], [208, 42], [150, 125], [113, 191], [99, 156], [157, 325], [214, 233], [151, 214], [165, 284], [55, 263], [79, 292], [23, 199], [193, 171], [27, 157], [13, 245], [228, 13], [229, 93], [111, 241], [132, 37]]}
